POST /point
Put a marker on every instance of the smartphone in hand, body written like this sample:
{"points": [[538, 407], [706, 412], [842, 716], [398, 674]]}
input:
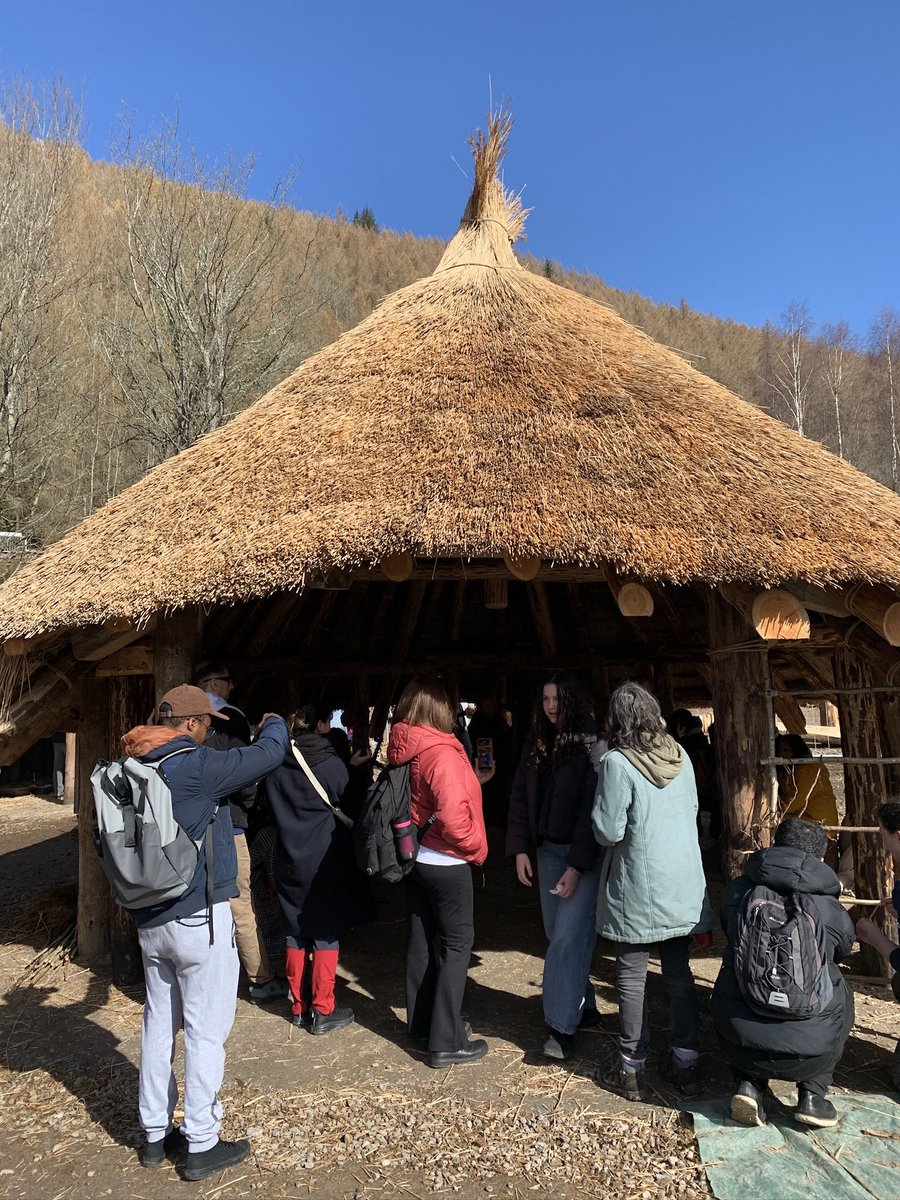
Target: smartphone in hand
{"points": [[484, 753]]}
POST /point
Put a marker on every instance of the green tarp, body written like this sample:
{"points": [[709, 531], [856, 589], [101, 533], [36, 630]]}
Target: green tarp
{"points": [[858, 1160]]}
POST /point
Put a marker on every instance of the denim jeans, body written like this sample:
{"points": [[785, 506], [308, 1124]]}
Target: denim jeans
{"points": [[571, 929], [631, 980]]}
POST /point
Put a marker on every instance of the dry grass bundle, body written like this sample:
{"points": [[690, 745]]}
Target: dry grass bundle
{"points": [[481, 411]]}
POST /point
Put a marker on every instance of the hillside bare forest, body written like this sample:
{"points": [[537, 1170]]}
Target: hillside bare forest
{"points": [[145, 300]]}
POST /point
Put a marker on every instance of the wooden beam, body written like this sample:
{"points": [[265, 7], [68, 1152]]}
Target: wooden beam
{"points": [[787, 709], [878, 606], [739, 679], [525, 568], [820, 599], [543, 620], [496, 593], [632, 598], [136, 659], [15, 647], [397, 567], [93, 890], [775, 615], [176, 649], [47, 702], [91, 645], [865, 784]]}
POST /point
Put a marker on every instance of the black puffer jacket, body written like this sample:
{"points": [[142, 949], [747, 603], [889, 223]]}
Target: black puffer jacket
{"points": [[785, 869], [555, 805]]}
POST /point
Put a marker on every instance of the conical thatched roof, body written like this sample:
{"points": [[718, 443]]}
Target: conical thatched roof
{"points": [[479, 411]]}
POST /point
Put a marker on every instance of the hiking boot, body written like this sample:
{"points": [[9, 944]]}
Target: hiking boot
{"points": [[557, 1045], [173, 1145], [630, 1084], [747, 1106], [469, 1053], [217, 1158], [338, 1018], [273, 989], [815, 1110], [684, 1077]]}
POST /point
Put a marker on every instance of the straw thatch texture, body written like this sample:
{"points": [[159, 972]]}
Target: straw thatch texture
{"points": [[479, 411]]}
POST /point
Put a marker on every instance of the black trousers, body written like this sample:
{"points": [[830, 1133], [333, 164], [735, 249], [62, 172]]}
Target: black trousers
{"points": [[813, 1072], [440, 934]]}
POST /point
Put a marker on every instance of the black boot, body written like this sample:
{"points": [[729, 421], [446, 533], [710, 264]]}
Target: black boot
{"points": [[813, 1109], [747, 1104]]}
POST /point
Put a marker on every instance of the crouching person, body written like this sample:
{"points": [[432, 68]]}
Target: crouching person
{"points": [[780, 1005], [188, 944]]}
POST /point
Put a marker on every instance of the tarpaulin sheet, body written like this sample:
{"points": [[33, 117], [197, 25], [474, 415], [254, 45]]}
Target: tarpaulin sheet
{"points": [[857, 1160]]}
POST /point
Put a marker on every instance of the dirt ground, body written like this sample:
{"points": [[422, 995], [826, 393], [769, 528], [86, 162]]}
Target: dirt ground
{"points": [[354, 1114]]}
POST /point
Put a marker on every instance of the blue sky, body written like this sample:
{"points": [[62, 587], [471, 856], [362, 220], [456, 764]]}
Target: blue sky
{"points": [[739, 155]]}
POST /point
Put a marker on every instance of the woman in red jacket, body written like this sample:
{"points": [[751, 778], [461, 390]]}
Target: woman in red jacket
{"points": [[439, 894]]}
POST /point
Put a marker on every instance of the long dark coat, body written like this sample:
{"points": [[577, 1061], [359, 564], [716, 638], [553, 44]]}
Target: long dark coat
{"points": [[321, 890]]}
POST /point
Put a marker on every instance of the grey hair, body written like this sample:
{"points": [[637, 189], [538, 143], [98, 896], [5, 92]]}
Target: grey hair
{"points": [[634, 719]]}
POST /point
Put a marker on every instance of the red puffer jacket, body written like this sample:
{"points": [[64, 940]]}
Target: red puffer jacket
{"points": [[442, 782]]}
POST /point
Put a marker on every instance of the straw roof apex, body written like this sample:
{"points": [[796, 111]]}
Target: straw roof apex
{"points": [[494, 219]]}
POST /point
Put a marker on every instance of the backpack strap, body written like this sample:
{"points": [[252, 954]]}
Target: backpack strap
{"points": [[207, 846], [320, 791]]}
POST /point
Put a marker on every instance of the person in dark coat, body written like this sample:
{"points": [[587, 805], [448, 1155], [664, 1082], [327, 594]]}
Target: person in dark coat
{"points": [[760, 1048], [320, 889], [550, 818]]}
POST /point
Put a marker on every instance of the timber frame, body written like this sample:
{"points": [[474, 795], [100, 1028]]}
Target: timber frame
{"points": [[354, 638]]}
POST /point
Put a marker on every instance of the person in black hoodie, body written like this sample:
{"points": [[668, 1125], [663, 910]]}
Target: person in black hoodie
{"points": [[759, 1048], [550, 817], [320, 889]]}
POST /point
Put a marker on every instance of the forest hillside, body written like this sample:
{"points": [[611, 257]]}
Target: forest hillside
{"points": [[145, 301]]}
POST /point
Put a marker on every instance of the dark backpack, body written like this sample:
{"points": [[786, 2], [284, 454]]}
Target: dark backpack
{"points": [[377, 850], [780, 955]]}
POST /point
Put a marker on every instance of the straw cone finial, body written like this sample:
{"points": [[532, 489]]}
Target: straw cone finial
{"points": [[491, 210]]}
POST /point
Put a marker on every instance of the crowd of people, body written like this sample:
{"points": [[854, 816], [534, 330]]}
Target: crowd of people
{"points": [[603, 822]]}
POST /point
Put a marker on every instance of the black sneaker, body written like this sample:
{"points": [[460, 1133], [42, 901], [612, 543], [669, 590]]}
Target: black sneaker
{"points": [[557, 1045], [173, 1145], [338, 1018], [815, 1110], [217, 1158], [630, 1084], [747, 1105]]}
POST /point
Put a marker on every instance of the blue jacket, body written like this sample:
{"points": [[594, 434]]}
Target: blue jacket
{"points": [[201, 779]]}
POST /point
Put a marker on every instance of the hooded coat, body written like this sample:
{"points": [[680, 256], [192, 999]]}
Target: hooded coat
{"points": [[321, 890], [652, 886], [786, 869], [442, 784]]}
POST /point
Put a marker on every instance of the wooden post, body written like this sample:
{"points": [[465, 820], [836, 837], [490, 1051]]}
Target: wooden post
{"points": [[70, 775], [130, 699], [93, 890], [738, 676], [176, 649], [865, 786]]}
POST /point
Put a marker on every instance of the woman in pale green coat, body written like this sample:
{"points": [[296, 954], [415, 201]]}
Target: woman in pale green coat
{"points": [[652, 887]]}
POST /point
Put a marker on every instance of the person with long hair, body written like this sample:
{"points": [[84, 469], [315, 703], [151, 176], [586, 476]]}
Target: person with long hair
{"points": [[652, 887], [445, 795], [320, 889], [550, 819]]}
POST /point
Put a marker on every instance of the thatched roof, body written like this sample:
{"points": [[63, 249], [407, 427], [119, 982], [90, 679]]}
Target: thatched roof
{"points": [[479, 411]]}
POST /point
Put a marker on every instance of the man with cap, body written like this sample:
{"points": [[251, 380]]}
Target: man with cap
{"points": [[190, 960], [231, 728]]}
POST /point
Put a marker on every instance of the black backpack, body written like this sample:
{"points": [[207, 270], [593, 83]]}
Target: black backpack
{"points": [[780, 955], [379, 853]]}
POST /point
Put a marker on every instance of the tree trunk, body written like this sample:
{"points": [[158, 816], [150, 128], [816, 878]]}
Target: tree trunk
{"points": [[92, 742], [864, 787], [739, 677]]}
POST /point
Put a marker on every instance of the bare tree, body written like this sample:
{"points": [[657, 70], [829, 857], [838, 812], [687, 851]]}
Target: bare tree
{"points": [[884, 340], [790, 372], [838, 365], [39, 134], [204, 317]]}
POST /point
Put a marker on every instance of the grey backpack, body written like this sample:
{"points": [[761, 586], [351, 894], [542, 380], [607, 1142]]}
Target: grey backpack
{"points": [[147, 856]]}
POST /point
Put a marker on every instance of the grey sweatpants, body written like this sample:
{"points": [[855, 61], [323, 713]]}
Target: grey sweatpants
{"points": [[190, 985]]}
